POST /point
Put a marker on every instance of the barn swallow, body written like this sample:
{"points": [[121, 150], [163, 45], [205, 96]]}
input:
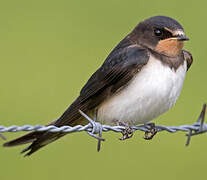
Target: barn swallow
{"points": [[140, 79]]}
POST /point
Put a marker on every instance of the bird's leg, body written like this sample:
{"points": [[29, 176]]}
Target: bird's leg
{"points": [[150, 133], [127, 132]]}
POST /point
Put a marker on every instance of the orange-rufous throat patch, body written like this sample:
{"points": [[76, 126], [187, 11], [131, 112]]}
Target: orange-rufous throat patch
{"points": [[170, 46]]}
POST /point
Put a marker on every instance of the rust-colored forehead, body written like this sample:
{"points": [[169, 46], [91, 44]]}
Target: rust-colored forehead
{"points": [[178, 32]]}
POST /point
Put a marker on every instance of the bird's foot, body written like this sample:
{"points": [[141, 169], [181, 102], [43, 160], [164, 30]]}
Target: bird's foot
{"points": [[150, 133], [127, 132]]}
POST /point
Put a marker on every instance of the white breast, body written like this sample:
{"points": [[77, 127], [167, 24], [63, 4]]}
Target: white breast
{"points": [[153, 91]]}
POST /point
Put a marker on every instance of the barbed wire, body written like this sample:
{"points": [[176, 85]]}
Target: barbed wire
{"points": [[94, 128]]}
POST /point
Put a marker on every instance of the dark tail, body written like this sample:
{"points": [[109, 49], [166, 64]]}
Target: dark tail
{"points": [[27, 138], [70, 117], [41, 141], [38, 140]]}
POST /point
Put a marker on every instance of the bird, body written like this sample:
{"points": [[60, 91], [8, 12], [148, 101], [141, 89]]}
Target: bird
{"points": [[140, 79]]}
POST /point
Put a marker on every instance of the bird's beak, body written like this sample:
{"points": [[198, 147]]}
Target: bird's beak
{"points": [[178, 35], [182, 38]]}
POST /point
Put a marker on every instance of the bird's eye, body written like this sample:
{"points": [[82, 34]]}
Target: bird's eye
{"points": [[158, 32]]}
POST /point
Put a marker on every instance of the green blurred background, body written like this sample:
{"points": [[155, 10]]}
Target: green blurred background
{"points": [[48, 50]]}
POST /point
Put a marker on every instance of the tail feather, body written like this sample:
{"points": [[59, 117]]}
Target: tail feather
{"points": [[27, 138], [40, 139], [48, 137]]}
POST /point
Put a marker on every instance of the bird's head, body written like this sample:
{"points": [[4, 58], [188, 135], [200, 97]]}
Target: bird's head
{"points": [[161, 34]]}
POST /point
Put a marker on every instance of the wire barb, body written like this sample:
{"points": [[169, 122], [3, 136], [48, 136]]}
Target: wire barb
{"points": [[95, 127], [200, 123], [2, 137]]}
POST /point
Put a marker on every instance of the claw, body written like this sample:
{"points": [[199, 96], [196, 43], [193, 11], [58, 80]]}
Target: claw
{"points": [[127, 132], [151, 131]]}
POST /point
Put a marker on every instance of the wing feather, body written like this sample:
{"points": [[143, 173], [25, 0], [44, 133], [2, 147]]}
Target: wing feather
{"points": [[117, 70], [188, 57]]}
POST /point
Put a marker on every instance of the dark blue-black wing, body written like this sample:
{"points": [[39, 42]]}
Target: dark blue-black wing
{"points": [[119, 68]]}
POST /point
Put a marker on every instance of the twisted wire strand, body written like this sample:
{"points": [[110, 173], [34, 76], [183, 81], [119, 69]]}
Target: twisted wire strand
{"points": [[94, 128]]}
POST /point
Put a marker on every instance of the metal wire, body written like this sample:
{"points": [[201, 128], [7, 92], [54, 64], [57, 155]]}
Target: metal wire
{"points": [[94, 128]]}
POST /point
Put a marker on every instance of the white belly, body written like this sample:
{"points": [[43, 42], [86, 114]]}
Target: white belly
{"points": [[153, 91]]}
